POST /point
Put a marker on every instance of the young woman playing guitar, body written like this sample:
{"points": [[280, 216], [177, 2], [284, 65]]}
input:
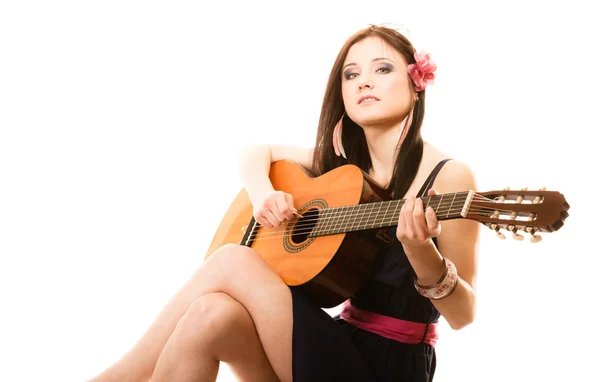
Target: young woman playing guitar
{"points": [[236, 309]]}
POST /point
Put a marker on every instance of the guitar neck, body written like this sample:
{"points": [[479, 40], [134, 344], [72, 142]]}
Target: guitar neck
{"points": [[366, 216]]}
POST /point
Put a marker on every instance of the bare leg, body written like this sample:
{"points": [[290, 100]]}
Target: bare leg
{"points": [[242, 274], [215, 328]]}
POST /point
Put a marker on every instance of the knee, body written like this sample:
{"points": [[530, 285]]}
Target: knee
{"points": [[234, 250], [234, 255], [211, 317]]}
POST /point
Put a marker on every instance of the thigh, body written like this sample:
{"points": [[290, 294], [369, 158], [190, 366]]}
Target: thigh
{"points": [[241, 273], [216, 321], [221, 325]]}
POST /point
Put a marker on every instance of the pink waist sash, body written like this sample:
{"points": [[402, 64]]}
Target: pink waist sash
{"points": [[393, 328]]}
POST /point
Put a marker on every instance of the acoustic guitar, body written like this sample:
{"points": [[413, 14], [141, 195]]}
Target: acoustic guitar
{"points": [[330, 249]]}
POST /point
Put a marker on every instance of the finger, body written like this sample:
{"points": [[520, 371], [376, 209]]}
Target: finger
{"points": [[407, 211], [289, 199], [433, 224], [262, 220], [432, 192], [418, 215], [273, 207], [284, 209], [272, 219], [401, 230]]}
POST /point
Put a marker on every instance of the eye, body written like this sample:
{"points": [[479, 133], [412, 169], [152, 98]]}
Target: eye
{"points": [[384, 69], [350, 75]]}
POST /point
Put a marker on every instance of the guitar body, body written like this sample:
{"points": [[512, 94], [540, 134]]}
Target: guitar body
{"points": [[328, 268]]}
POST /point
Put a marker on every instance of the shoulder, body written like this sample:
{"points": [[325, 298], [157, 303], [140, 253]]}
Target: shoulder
{"points": [[455, 175]]}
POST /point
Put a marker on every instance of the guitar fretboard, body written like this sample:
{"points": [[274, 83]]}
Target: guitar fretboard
{"points": [[366, 216]]}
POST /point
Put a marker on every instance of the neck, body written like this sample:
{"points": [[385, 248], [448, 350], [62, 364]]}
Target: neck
{"points": [[383, 144]]}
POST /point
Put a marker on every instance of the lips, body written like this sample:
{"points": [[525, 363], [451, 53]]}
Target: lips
{"points": [[367, 99]]}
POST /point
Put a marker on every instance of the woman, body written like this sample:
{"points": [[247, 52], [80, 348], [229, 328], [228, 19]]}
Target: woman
{"points": [[235, 309]]}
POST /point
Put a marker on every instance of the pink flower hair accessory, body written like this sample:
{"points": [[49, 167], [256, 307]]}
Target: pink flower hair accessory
{"points": [[423, 71]]}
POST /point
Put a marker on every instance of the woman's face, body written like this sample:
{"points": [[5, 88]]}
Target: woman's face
{"points": [[375, 83]]}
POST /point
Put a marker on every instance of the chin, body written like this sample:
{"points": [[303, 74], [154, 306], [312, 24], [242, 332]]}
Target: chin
{"points": [[370, 119]]}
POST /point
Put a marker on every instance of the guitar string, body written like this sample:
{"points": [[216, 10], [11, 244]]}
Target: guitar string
{"points": [[280, 231], [343, 212], [362, 209], [350, 212], [281, 234], [327, 217], [303, 223]]}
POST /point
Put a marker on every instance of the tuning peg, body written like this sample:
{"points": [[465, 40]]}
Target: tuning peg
{"points": [[534, 238], [543, 188], [515, 231], [524, 188], [496, 228]]}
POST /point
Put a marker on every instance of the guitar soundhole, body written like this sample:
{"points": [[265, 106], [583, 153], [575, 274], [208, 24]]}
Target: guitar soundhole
{"points": [[297, 235], [304, 226]]}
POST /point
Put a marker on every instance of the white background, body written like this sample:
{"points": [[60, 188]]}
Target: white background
{"points": [[121, 122]]}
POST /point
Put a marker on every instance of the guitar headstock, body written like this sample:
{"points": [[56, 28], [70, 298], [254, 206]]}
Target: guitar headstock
{"points": [[520, 211]]}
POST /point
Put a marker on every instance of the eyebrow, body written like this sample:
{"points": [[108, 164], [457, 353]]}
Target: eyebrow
{"points": [[374, 60]]}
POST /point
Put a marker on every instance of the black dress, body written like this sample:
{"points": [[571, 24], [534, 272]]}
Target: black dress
{"points": [[328, 348]]}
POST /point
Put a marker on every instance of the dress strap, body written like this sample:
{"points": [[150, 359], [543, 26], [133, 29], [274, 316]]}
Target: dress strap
{"points": [[431, 178]]}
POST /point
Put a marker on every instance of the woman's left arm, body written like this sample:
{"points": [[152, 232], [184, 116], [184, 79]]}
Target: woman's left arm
{"points": [[457, 241]]}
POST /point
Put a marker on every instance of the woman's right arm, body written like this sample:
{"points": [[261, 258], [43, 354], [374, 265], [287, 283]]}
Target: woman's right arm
{"points": [[271, 207]]}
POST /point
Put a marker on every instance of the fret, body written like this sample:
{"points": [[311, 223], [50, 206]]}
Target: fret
{"points": [[347, 218], [383, 221], [370, 217], [338, 227], [332, 221], [367, 219], [341, 217], [396, 212], [363, 218], [316, 231], [438, 206], [378, 219], [375, 219], [326, 212], [344, 217], [359, 216], [451, 204], [351, 218]]}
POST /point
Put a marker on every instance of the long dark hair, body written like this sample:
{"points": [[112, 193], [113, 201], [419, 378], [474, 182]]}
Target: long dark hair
{"points": [[353, 137]]}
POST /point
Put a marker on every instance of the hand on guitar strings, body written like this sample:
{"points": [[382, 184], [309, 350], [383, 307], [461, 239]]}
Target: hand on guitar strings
{"points": [[274, 208], [417, 225]]}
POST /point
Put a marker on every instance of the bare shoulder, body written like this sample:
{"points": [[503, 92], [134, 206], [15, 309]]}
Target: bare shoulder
{"points": [[455, 176]]}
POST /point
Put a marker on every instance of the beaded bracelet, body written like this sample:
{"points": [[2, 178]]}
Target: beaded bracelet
{"points": [[443, 287]]}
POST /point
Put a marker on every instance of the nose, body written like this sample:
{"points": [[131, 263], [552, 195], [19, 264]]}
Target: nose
{"points": [[365, 83]]}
